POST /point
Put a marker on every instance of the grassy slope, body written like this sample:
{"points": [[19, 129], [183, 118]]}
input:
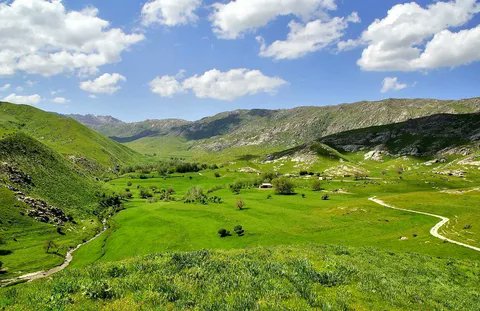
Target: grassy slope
{"points": [[55, 181], [278, 278], [64, 135]]}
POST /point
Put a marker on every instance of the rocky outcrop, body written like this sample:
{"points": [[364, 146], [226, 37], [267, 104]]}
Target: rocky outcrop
{"points": [[15, 175]]}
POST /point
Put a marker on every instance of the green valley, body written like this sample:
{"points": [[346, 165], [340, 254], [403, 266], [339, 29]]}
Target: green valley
{"points": [[196, 219]]}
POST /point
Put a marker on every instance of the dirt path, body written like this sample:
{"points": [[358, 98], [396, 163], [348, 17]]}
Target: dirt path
{"points": [[434, 230], [43, 274]]}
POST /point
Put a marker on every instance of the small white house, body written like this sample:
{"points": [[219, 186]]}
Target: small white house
{"points": [[266, 186]]}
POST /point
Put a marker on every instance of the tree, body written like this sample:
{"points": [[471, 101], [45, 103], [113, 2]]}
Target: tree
{"points": [[283, 186], [317, 185], [239, 230], [240, 204], [224, 233]]}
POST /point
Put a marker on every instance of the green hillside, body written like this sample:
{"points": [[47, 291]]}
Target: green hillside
{"points": [[30, 169], [64, 135]]}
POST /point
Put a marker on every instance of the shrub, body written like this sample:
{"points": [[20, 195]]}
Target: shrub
{"points": [[240, 204], [325, 197], [129, 184], [283, 186], [317, 185], [195, 195], [145, 194], [466, 227], [224, 233], [217, 174], [303, 196], [239, 230]]}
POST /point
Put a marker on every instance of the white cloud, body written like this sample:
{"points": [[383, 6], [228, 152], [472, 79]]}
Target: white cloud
{"points": [[42, 37], [170, 12], [23, 99], [106, 84], [5, 87], [308, 38], [412, 38], [60, 100], [236, 17], [392, 84], [166, 86], [219, 85]]}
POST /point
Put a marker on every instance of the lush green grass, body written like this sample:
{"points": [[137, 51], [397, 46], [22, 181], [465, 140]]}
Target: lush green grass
{"points": [[348, 218], [275, 278]]}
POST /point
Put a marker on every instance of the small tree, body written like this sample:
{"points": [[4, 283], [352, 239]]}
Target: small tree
{"points": [[223, 233], [283, 186], [240, 204], [317, 185]]}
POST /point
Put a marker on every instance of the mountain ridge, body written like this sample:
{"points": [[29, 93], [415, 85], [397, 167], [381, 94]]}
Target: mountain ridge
{"points": [[286, 127]]}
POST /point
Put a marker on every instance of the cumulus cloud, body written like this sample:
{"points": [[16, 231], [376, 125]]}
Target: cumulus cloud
{"points": [[43, 37], [412, 38], [23, 99], [392, 84], [5, 87], [307, 38], [219, 85], [60, 100], [170, 12], [106, 84], [166, 86], [230, 20]]}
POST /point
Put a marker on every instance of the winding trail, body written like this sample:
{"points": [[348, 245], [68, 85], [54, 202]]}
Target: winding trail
{"points": [[43, 274], [434, 230]]}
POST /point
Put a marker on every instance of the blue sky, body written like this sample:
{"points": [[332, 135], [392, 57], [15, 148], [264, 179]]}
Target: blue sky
{"points": [[182, 47]]}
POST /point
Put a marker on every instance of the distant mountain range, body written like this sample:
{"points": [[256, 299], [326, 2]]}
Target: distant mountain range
{"points": [[285, 127]]}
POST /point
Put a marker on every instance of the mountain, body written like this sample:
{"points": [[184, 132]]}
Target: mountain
{"points": [[94, 121], [285, 127], [424, 136], [64, 135]]}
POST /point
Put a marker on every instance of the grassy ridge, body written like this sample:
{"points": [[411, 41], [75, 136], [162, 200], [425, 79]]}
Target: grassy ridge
{"points": [[279, 278], [64, 135]]}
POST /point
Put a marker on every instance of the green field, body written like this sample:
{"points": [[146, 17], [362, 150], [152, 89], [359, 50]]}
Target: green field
{"points": [[347, 218]]}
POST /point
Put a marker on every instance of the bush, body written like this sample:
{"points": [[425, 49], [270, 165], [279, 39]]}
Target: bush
{"points": [[283, 186], [129, 184], [325, 197], [224, 233], [239, 230], [145, 194], [195, 195], [240, 204], [317, 185], [217, 174]]}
